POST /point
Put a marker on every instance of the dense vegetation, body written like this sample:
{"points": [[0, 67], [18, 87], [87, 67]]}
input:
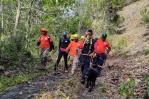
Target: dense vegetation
{"points": [[22, 19]]}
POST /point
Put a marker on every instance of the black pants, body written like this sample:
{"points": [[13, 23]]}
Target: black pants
{"points": [[85, 64], [65, 55]]}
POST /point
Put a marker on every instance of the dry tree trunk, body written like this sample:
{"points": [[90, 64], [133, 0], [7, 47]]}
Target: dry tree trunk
{"points": [[29, 15], [17, 17], [2, 17], [29, 26]]}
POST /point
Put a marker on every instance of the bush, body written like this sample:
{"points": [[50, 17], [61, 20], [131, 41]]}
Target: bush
{"points": [[120, 44], [13, 53], [145, 15], [146, 52], [146, 79], [118, 3], [127, 89]]}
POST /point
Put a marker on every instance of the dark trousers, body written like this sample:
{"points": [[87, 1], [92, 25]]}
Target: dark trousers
{"points": [[65, 55], [85, 64], [99, 59]]}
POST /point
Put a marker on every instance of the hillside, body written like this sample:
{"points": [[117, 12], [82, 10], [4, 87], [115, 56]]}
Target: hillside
{"points": [[125, 74]]}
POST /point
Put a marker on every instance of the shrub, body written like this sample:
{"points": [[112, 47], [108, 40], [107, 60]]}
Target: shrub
{"points": [[147, 90], [120, 44], [127, 89], [145, 15], [118, 3], [146, 52]]}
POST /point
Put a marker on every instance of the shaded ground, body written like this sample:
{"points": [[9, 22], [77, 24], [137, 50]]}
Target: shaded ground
{"points": [[136, 66], [112, 75], [31, 89], [106, 88]]}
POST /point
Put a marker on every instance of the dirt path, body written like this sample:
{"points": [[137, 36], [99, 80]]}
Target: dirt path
{"points": [[31, 89], [112, 75], [106, 85]]}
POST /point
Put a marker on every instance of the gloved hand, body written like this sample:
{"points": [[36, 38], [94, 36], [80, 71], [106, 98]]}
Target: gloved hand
{"points": [[92, 55]]}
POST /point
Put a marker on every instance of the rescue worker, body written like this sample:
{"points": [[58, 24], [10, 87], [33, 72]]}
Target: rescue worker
{"points": [[101, 49], [87, 50], [71, 39], [46, 44], [73, 49], [63, 43]]}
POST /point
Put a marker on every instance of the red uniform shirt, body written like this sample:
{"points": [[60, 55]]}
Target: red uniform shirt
{"points": [[100, 46], [44, 41]]}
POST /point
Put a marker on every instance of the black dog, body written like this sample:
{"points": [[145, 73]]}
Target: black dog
{"points": [[93, 73]]}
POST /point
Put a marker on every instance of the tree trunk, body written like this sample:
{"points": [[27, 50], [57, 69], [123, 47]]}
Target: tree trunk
{"points": [[2, 16], [29, 15], [17, 17]]}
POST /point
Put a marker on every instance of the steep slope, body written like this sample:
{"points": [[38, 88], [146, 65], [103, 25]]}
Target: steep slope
{"points": [[135, 29]]}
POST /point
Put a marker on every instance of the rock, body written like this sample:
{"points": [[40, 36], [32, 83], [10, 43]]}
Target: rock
{"points": [[8, 73], [2, 68], [20, 93]]}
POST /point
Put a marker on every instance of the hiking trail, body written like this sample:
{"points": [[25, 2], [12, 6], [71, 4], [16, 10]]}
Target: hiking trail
{"points": [[107, 84]]}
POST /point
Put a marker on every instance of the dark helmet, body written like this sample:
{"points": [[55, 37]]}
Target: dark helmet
{"points": [[104, 35], [64, 33]]}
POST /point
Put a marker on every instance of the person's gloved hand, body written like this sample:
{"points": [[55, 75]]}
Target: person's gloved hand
{"points": [[110, 54], [92, 55]]}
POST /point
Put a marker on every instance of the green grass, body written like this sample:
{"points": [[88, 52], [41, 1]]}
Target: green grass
{"points": [[145, 15], [146, 79], [146, 52], [6, 82], [127, 89], [117, 42], [118, 3], [125, 54]]}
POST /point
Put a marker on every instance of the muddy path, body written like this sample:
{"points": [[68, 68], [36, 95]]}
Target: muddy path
{"points": [[30, 90], [106, 86]]}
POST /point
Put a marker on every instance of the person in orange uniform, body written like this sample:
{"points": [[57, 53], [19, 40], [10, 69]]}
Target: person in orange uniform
{"points": [[101, 49], [73, 49], [46, 44]]}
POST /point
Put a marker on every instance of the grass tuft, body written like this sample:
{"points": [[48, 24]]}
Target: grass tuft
{"points": [[145, 15]]}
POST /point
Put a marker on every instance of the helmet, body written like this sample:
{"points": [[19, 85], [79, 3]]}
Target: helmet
{"points": [[43, 30], [71, 37], [104, 35], [76, 35], [64, 33]]}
